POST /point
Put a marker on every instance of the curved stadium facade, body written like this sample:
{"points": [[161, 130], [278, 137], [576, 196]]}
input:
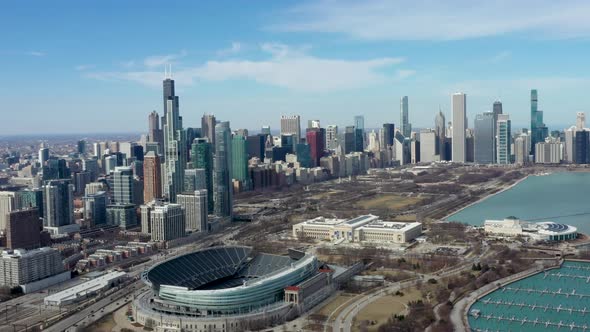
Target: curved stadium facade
{"points": [[223, 282]]}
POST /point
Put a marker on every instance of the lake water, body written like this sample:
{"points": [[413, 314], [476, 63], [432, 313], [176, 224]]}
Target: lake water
{"points": [[562, 197]]}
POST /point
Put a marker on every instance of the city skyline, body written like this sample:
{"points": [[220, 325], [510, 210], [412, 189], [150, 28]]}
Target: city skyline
{"points": [[253, 65]]}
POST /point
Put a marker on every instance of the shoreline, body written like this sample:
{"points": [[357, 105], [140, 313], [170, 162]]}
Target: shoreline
{"points": [[444, 219]]}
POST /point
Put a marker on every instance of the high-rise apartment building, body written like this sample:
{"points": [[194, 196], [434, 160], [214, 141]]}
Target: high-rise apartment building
{"points": [[569, 144], [195, 210], [581, 147], [404, 118], [222, 189], [521, 150], [195, 179], [21, 267], [7, 204], [23, 229], [122, 215], [123, 188], [152, 177], [29, 198], [58, 196], [484, 138], [202, 157], [549, 152], [239, 159], [459, 107], [95, 208], [503, 139], [167, 222]]}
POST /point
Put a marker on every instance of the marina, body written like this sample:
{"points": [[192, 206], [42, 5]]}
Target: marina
{"points": [[557, 299]]}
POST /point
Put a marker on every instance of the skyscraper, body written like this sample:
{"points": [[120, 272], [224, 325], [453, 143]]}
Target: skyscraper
{"points": [[174, 145], [440, 129], [7, 204], [538, 129], [152, 177], [503, 139], [29, 198], [239, 159], [581, 147], [405, 126], [95, 208], [315, 139], [569, 142], [349, 139], [484, 138], [459, 107], [580, 120], [82, 147], [265, 130], [167, 222], [521, 150], [202, 157], [388, 134], [43, 154], [23, 229], [195, 179], [256, 146], [123, 185], [359, 133], [195, 210], [58, 202], [208, 123], [427, 146], [168, 94], [291, 125], [222, 190], [155, 133], [331, 137], [122, 215]]}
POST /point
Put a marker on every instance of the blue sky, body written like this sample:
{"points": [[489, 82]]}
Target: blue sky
{"points": [[97, 66]]}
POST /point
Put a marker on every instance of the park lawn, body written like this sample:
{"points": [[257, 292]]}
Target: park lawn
{"points": [[387, 202], [385, 307]]}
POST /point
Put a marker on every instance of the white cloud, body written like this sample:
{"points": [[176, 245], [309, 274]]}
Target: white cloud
{"points": [[235, 47], [35, 53], [501, 56], [161, 60], [286, 67], [439, 20], [84, 67]]}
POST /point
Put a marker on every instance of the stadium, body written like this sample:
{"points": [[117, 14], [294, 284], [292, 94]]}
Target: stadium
{"points": [[223, 288]]}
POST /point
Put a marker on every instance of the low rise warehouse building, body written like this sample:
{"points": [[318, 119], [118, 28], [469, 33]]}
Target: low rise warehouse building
{"points": [[85, 290]]}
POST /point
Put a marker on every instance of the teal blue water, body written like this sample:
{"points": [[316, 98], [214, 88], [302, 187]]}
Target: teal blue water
{"points": [[556, 197], [517, 306]]}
